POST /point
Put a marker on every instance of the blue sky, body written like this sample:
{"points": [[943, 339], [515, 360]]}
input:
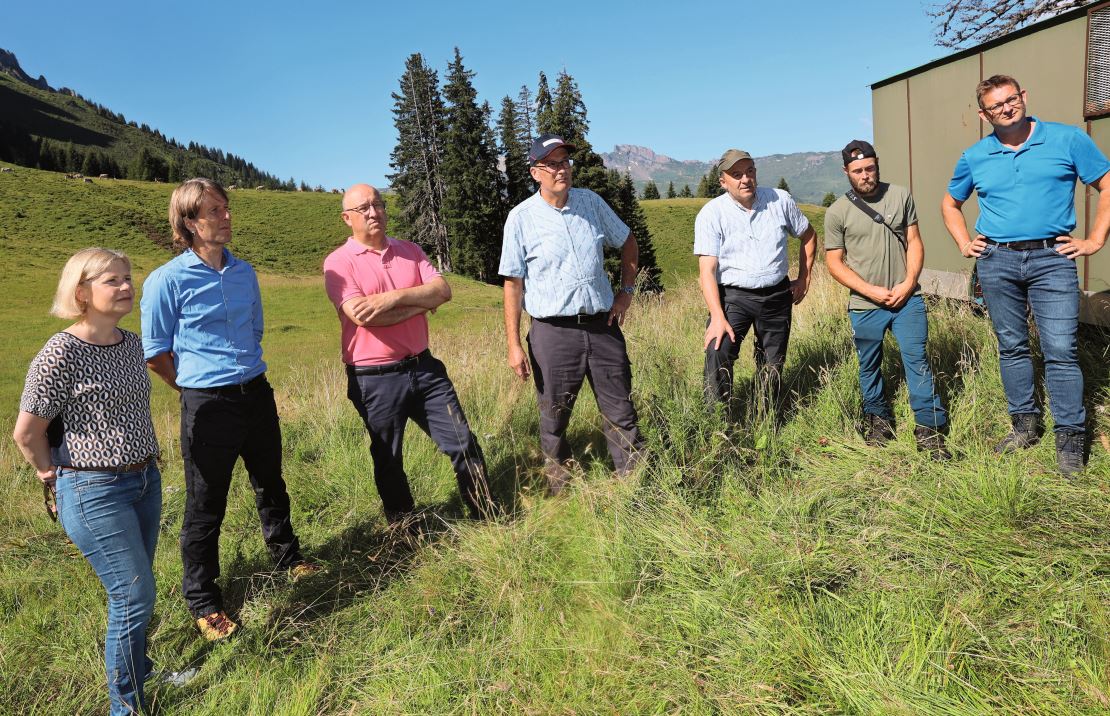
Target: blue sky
{"points": [[306, 92]]}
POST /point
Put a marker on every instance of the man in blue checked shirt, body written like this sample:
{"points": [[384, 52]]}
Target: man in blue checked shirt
{"points": [[202, 333], [552, 260], [740, 239], [1024, 175]]}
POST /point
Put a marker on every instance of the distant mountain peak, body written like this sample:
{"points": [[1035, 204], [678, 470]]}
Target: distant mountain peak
{"points": [[9, 65]]}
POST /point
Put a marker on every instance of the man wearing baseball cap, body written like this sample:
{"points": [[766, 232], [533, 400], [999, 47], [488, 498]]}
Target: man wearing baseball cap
{"points": [[873, 246], [553, 264], [740, 239]]}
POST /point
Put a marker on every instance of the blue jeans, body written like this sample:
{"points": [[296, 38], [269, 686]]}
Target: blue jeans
{"points": [[113, 519], [910, 327], [1047, 283]]}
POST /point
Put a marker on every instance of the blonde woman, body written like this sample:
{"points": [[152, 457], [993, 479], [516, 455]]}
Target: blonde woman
{"points": [[109, 491]]}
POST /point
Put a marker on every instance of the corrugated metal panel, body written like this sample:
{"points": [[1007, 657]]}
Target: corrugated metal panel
{"points": [[1097, 101]]}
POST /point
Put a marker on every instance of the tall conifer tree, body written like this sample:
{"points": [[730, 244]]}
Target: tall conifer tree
{"points": [[651, 191], [472, 206], [419, 115], [524, 116], [671, 193], [545, 114], [514, 152]]}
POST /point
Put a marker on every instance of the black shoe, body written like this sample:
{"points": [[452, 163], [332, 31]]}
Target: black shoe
{"points": [[1022, 435], [1069, 453], [931, 441], [877, 430]]}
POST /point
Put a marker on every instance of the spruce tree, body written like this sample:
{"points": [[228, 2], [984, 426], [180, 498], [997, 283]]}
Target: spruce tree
{"points": [[782, 184], [685, 193], [671, 193], [472, 206], [545, 115], [418, 115], [828, 200], [524, 118], [518, 182], [633, 215], [651, 191]]}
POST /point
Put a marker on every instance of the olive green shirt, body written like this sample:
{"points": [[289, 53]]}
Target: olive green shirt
{"points": [[871, 249]]}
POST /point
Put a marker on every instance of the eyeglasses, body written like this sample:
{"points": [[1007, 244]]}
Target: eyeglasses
{"points": [[365, 208], [1013, 100], [555, 166]]}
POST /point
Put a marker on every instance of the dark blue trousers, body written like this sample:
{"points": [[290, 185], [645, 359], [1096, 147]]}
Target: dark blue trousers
{"points": [[421, 391]]}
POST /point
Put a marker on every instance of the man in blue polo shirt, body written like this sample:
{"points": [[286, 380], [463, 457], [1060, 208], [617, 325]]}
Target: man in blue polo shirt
{"points": [[552, 260], [202, 333], [1024, 174], [740, 239]]}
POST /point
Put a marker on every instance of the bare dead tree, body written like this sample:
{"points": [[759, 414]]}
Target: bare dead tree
{"points": [[959, 23]]}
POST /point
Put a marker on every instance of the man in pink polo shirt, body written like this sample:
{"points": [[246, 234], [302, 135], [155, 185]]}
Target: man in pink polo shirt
{"points": [[382, 288]]}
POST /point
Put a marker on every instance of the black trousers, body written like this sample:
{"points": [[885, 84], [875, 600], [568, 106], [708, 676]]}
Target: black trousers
{"points": [[768, 311], [217, 427], [563, 354], [420, 391]]}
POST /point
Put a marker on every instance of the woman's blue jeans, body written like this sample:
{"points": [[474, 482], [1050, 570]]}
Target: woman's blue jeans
{"points": [[1046, 283], [113, 519]]}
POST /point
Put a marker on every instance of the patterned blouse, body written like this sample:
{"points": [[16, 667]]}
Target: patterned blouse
{"points": [[101, 393]]}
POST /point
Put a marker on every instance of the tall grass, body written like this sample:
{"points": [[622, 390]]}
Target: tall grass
{"points": [[754, 567]]}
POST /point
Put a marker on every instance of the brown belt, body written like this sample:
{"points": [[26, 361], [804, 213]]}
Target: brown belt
{"points": [[133, 467]]}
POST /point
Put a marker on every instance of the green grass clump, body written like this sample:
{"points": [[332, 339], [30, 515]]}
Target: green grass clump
{"points": [[759, 566]]}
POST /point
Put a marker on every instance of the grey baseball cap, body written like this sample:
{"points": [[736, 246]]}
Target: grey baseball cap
{"points": [[729, 158]]}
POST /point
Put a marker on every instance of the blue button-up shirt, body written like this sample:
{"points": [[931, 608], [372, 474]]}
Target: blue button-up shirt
{"points": [[211, 320], [560, 253], [750, 244], [1028, 193]]}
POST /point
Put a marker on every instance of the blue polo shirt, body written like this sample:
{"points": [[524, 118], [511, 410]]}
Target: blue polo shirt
{"points": [[211, 320], [1028, 193], [560, 253]]}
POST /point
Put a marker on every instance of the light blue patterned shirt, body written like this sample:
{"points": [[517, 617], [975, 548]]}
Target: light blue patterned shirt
{"points": [[750, 246], [559, 253], [211, 320]]}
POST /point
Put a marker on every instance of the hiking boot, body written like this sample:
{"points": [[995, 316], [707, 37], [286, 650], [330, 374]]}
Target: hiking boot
{"points": [[930, 440], [877, 430], [1022, 435], [304, 570], [1069, 453], [216, 626]]}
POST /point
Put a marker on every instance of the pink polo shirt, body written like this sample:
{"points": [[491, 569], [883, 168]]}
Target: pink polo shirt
{"points": [[354, 270]]}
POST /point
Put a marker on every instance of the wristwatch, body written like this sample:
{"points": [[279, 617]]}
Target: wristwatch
{"points": [[630, 290]]}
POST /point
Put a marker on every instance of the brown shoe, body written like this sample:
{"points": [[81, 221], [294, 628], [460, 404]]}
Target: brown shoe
{"points": [[304, 570], [216, 626]]}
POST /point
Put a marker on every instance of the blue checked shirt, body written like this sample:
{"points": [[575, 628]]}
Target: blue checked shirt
{"points": [[560, 253], [750, 246], [211, 320]]}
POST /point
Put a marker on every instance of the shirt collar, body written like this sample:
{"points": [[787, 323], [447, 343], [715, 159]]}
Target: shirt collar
{"points": [[356, 248], [756, 205], [1037, 137], [190, 259]]}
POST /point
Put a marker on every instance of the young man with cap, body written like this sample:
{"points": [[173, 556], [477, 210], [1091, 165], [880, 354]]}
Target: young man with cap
{"points": [[202, 334], [740, 239], [1024, 174], [873, 247], [383, 289], [552, 260]]}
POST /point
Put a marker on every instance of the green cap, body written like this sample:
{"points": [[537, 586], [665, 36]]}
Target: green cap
{"points": [[730, 158]]}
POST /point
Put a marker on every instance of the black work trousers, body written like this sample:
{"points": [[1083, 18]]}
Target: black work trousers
{"points": [[218, 426], [563, 353], [418, 389], [768, 311]]}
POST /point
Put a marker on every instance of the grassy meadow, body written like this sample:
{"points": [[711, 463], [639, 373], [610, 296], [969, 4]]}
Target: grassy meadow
{"points": [[748, 568]]}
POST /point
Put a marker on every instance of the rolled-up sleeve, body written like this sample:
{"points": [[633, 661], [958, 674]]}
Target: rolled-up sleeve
{"points": [[158, 314]]}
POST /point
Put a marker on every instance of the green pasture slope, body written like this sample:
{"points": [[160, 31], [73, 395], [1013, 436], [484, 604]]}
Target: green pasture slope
{"points": [[753, 568]]}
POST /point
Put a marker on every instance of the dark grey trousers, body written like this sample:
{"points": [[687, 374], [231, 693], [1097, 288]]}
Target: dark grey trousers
{"points": [[564, 353]]}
